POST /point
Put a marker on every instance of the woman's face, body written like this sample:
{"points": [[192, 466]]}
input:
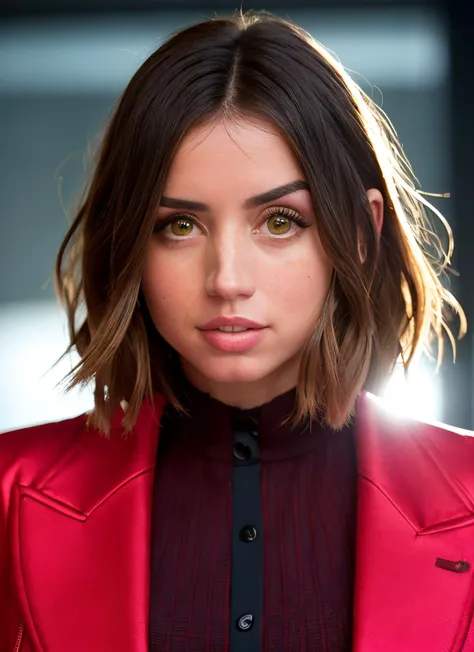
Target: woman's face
{"points": [[236, 240]]}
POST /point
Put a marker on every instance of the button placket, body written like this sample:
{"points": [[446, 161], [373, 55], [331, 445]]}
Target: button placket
{"points": [[247, 551]]}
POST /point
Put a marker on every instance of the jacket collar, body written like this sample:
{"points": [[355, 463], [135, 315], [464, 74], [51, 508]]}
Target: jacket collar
{"points": [[111, 461], [411, 461], [391, 451]]}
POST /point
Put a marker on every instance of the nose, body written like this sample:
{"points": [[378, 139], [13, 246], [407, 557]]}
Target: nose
{"points": [[230, 272]]}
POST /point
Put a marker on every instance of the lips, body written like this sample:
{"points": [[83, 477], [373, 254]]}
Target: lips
{"points": [[228, 324], [232, 334]]}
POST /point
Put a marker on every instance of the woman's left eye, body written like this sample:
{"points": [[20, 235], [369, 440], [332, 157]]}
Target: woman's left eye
{"points": [[278, 224], [282, 221]]}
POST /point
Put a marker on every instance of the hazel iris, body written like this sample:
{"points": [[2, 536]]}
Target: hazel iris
{"points": [[278, 225], [182, 227]]}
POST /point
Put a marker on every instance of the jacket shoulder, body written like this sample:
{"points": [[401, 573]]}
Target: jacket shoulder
{"points": [[376, 411], [402, 448], [26, 453]]}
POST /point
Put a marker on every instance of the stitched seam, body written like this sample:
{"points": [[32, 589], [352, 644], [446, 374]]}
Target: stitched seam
{"points": [[52, 503], [19, 569], [447, 524], [72, 507], [118, 487], [450, 524], [376, 486]]}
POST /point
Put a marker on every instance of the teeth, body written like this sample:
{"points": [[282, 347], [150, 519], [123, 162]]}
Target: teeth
{"points": [[232, 329]]}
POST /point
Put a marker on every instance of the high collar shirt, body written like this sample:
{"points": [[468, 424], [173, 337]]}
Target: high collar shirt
{"points": [[253, 533]]}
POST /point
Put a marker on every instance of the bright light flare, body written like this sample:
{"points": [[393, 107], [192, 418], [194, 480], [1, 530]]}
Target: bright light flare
{"points": [[418, 395]]}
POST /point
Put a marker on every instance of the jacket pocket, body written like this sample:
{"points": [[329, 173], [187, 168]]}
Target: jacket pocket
{"points": [[19, 638]]}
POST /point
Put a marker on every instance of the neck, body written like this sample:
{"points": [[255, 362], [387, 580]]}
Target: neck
{"points": [[242, 395]]}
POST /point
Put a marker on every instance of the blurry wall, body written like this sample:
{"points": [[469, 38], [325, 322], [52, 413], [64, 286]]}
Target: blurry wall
{"points": [[58, 82]]}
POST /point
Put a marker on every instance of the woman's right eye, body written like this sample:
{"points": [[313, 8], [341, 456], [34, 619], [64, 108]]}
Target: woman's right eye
{"points": [[177, 228], [181, 227]]}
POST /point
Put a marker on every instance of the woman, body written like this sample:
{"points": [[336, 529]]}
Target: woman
{"points": [[252, 256]]}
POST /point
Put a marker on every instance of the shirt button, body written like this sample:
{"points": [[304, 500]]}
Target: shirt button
{"points": [[245, 622], [248, 533], [242, 451]]}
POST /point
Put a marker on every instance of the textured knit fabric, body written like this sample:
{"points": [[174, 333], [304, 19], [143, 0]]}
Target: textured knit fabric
{"points": [[308, 492]]}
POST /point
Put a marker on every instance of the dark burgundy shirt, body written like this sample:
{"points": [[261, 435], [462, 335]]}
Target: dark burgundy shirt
{"points": [[253, 531]]}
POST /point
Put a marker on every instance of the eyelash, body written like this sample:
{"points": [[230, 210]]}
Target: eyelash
{"points": [[289, 213]]}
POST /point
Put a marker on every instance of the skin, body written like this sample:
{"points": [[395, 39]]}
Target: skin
{"points": [[238, 261]]}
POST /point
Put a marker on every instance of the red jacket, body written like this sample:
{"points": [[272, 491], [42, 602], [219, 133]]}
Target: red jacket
{"points": [[75, 511]]}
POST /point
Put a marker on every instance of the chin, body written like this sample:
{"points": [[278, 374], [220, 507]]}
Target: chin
{"points": [[234, 371]]}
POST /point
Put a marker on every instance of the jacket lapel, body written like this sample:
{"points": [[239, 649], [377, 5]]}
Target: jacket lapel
{"points": [[82, 542], [415, 506]]}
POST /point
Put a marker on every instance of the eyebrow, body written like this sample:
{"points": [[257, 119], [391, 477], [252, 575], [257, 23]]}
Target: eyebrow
{"points": [[251, 202]]}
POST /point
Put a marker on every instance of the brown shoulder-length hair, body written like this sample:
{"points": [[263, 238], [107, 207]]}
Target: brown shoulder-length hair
{"points": [[386, 298]]}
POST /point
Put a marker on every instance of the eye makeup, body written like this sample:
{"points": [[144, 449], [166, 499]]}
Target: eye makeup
{"points": [[287, 215]]}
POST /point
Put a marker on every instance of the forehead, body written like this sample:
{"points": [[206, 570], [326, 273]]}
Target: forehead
{"points": [[243, 158]]}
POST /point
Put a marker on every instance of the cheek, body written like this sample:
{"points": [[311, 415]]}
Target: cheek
{"points": [[159, 283], [171, 292], [303, 286]]}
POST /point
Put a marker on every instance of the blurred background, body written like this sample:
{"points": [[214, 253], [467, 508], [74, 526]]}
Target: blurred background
{"points": [[63, 65]]}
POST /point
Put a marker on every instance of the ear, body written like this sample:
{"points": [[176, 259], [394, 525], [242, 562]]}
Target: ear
{"points": [[376, 204]]}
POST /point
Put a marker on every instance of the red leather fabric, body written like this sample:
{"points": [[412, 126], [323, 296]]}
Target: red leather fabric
{"points": [[75, 518]]}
